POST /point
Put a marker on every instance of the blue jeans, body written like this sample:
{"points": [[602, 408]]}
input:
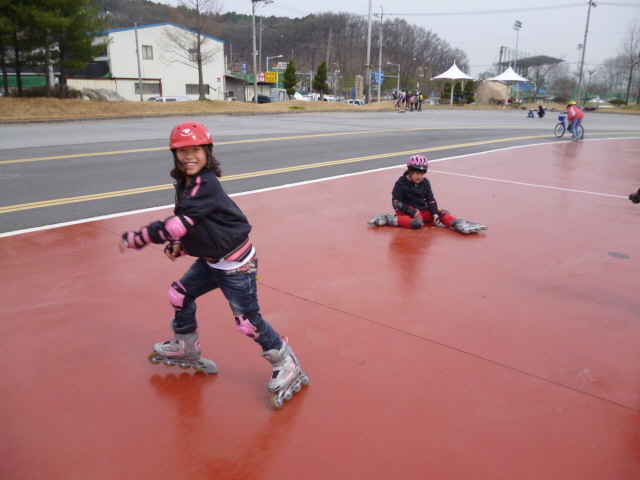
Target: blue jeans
{"points": [[240, 290], [574, 127]]}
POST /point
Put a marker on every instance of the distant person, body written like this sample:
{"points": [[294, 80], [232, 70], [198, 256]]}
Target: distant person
{"points": [[402, 101], [635, 197], [575, 116], [420, 100], [540, 111], [531, 115], [415, 204]]}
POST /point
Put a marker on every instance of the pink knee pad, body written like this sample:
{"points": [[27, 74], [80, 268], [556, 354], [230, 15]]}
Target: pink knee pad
{"points": [[176, 295], [244, 326]]}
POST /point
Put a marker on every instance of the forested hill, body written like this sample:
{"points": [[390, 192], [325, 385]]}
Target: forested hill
{"points": [[420, 52]]}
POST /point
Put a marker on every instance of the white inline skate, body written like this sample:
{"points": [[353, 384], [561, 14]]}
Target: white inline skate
{"points": [[184, 351], [465, 227], [384, 219], [287, 377]]}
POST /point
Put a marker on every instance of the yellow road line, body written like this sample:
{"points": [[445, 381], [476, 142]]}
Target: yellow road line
{"points": [[135, 191], [155, 149]]}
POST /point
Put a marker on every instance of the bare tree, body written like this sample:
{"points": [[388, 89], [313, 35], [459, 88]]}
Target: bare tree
{"points": [[629, 53], [191, 46]]}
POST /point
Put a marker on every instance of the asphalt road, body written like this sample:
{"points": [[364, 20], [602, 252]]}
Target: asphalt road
{"points": [[60, 172]]}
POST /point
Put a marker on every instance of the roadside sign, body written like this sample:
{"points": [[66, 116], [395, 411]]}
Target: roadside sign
{"points": [[378, 77], [271, 77], [244, 68]]}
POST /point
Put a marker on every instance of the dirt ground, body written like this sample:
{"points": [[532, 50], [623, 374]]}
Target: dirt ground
{"points": [[26, 109]]}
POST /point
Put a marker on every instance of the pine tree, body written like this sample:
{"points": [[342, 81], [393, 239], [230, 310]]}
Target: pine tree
{"points": [[469, 90], [75, 36], [290, 80], [320, 80]]}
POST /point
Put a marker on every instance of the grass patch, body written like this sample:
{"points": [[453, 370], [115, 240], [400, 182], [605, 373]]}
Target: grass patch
{"points": [[18, 109]]}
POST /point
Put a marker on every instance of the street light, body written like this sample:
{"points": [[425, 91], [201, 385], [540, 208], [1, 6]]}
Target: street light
{"points": [[397, 65], [266, 65], [516, 26], [336, 78]]}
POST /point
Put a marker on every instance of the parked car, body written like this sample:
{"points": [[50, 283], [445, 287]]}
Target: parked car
{"points": [[266, 99], [351, 101], [168, 99]]}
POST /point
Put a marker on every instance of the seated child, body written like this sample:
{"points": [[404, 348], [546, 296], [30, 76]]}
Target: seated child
{"points": [[415, 204]]}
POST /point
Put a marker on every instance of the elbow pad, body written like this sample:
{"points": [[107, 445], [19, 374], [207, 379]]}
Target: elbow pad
{"points": [[397, 205]]}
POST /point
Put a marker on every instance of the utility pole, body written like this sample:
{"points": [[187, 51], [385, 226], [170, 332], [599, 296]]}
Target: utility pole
{"points": [[380, 55], [260, 48], [368, 71], [138, 57], [584, 49], [254, 52]]}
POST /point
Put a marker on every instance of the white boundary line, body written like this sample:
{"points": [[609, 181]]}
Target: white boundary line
{"points": [[307, 182]]}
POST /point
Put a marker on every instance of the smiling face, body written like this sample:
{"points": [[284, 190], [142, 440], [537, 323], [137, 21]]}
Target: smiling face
{"points": [[191, 159]]}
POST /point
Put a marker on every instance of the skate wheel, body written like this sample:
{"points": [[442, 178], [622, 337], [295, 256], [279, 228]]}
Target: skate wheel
{"points": [[297, 387], [152, 358], [276, 401], [184, 367], [288, 395], [305, 379]]}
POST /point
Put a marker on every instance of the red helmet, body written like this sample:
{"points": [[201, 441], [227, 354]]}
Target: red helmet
{"points": [[186, 134], [418, 163]]}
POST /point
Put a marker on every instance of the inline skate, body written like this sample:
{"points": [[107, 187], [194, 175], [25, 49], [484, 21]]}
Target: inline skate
{"points": [[184, 351], [287, 377], [466, 227]]}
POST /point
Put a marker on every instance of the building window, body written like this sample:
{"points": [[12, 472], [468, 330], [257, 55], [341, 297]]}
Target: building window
{"points": [[150, 88], [147, 52], [193, 55], [194, 90]]}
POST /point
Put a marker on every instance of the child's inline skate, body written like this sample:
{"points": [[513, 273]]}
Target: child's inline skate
{"points": [[287, 377], [466, 227], [184, 351]]}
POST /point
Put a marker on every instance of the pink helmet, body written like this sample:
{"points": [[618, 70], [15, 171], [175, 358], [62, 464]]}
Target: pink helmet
{"points": [[418, 163], [189, 133]]}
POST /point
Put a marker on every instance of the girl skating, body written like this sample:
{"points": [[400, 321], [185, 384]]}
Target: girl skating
{"points": [[415, 204], [208, 225]]}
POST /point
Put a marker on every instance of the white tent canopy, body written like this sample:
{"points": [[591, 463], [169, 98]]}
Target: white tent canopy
{"points": [[453, 74], [509, 77]]}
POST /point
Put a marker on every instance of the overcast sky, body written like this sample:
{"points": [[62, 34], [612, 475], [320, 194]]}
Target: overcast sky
{"points": [[546, 28]]}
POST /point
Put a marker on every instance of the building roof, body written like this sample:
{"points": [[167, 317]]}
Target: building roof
{"points": [[536, 61], [140, 27]]}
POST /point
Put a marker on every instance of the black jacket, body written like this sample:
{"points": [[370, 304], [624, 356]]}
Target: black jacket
{"points": [[215, 225], [407, 197]]}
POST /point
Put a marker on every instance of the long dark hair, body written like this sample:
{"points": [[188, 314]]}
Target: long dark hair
{"points": [[212, 163]]}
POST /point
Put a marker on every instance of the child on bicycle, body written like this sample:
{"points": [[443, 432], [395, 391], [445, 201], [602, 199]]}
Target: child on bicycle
{"points": [[574, 116], [415, 204]]}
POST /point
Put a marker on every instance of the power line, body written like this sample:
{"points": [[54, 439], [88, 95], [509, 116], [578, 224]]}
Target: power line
{"points": [[492, 12], [617, 4]]}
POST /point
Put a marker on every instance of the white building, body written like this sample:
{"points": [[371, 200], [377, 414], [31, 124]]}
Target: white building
{"points": [[167, 63]]}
